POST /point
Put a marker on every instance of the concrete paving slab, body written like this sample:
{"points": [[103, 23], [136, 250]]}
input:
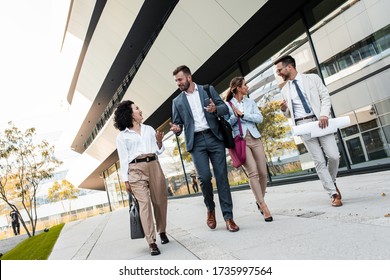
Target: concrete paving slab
{"points": [[305, 227]]}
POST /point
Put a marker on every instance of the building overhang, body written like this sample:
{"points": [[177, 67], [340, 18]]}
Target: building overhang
{"points": [[223, 54]]}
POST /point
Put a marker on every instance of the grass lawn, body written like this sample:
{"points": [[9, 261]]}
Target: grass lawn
{"points": [[37, 247]]}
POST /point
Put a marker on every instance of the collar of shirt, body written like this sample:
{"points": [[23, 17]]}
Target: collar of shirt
{"points": [[132, 131], [298, 77], [195, 90]]}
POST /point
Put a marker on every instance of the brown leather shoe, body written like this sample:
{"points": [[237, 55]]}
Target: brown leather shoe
{"points": [[336, 200], [211, 222], [338, 191], [231, 226]]}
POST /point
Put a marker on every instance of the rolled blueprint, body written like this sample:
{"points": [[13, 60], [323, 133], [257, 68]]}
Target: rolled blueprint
{"points": [[314, 130]]}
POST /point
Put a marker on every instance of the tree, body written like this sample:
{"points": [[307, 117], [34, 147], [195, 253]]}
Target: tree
{"points": [[63, 191], [273, 132], [186, 155], [24, 166]]}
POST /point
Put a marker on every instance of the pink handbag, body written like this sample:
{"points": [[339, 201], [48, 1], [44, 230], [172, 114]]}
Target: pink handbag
{"points": [[238, 153]]}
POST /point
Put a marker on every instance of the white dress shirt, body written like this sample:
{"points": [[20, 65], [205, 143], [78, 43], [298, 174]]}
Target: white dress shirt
{"points": [[131, 145], [299, 110], [240, 105], [197, 109]]}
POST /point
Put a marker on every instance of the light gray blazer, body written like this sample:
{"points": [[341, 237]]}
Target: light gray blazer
{"points": [[252, 116], [182, 114], [317, 95]]}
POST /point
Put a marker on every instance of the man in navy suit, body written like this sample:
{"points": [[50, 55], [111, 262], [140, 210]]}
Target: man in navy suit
{"points": [[196, 113]]}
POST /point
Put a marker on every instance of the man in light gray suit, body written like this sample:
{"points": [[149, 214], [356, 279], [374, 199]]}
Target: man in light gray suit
{"points": [[196, 113], [306, 99]]}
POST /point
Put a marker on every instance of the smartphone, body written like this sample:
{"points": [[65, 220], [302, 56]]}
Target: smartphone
{"points": [[206, 102]]}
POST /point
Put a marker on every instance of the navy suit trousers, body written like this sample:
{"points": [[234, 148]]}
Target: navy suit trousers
{"points": [[207, 148]]}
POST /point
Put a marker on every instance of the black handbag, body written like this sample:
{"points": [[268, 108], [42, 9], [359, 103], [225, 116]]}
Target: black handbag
{"points": [[136, 230], [224, 126]]}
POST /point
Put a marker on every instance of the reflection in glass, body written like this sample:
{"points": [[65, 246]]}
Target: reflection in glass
{"points": [[383, 107], [350, 60], [350, 130], [368, 125], [374, 142], [365, 122], [355, 150], [385, 119], [386, 131], [113, 187], [173, 160]]}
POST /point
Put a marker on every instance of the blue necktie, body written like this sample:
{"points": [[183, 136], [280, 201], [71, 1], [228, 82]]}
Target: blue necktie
{"points": [[303, 99]]}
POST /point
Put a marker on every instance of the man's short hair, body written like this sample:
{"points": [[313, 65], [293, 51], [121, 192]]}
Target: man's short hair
{"points": [[286, 60], [183, 68]]}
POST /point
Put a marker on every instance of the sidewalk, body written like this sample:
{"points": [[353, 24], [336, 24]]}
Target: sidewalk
{"points": [[305, 227]]}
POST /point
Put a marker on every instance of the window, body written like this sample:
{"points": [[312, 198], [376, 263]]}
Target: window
{"points": [[371, 46], [383, 107], [351, 130]]}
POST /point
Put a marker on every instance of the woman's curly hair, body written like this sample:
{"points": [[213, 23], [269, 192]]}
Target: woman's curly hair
{"points": [[123, 116]]}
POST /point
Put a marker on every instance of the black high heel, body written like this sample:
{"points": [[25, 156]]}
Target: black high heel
{"points": [[258, 207], [269, 219]]}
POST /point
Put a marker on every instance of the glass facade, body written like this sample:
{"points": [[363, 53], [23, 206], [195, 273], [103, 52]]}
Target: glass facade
{"points": [[354, 64], [116, 189]]}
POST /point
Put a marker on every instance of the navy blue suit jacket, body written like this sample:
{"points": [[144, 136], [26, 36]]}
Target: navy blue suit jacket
{"points": [[182, 114]]}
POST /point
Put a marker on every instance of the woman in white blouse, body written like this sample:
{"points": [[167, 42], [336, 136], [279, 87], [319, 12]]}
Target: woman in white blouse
{"points": [[138, 146]]}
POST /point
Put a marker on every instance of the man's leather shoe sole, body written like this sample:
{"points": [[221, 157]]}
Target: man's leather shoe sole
{"points": [[231, 226]]}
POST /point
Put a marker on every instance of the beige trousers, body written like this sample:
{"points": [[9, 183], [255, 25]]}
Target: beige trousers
{"points": [[147, 182], [255, 166], [327, 168]]}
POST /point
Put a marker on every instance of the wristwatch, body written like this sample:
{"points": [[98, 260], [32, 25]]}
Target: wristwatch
{"points": [[242, 116]]}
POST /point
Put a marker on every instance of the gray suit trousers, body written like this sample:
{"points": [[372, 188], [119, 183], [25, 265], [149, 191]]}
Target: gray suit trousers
{"points": [[317, 147]]}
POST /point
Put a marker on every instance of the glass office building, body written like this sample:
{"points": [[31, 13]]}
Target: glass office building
{"points": [[345, 42]]}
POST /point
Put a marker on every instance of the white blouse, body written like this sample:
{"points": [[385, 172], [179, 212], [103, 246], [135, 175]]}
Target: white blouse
{"points": [[131, 145]]}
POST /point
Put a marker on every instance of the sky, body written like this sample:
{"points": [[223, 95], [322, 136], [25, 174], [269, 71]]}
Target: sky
{"points": [[35, 74], [31, 87]]}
